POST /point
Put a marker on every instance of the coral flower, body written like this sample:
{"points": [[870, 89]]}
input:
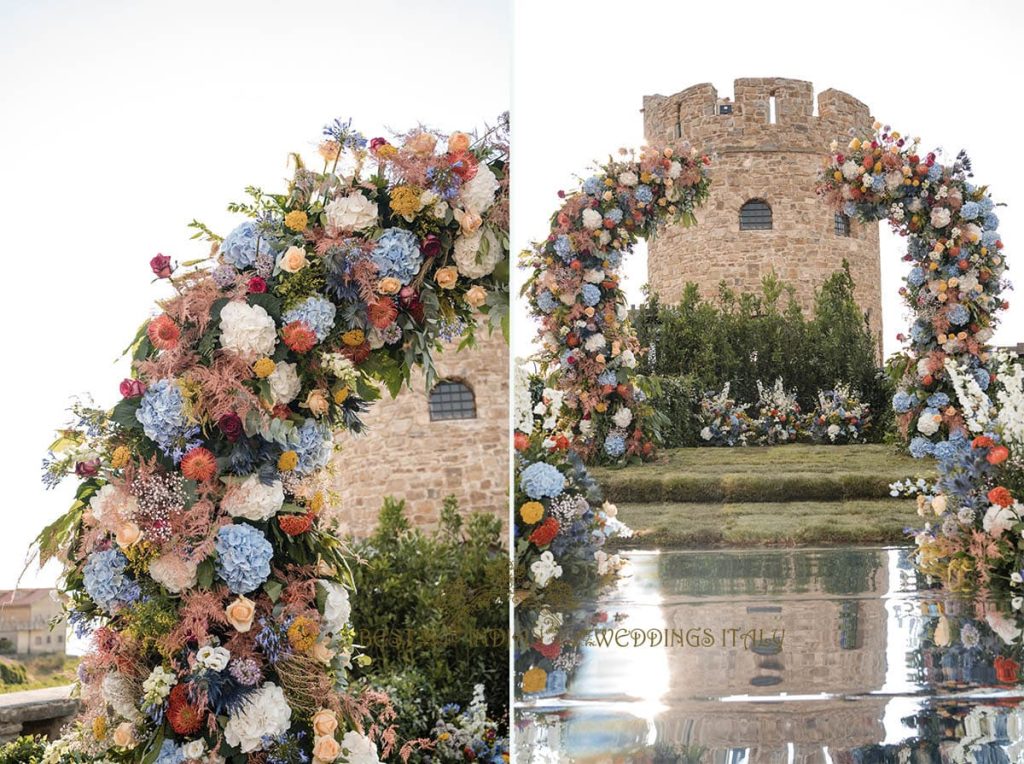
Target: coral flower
{"points": [[1001, 496], [295, 525], [545, 532], [982, 441], [163, 333], [184, 718], [199, 464], [522, 441], [382, 313], [298, 336], [998, 455]]}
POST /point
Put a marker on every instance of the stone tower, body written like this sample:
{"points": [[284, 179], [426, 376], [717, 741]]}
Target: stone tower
{"points": [[770, 146]]}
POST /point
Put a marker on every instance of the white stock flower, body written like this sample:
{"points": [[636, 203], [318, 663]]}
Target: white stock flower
{"points": [[350, 213], [265, 713], [254, 500], [545, 569], [478, 194], [337, 608], [247, 330], [284, 383]]}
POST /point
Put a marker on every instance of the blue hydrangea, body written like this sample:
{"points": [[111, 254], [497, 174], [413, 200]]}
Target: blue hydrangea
{"points": [[316, 312], [935, 172], [170, 753], [591, 294], [981, 376], [594, 185], [162, 416], [902, 402], [563, 247], [105, 579], [613, 257], [878, 183], [607, 377], [546, 301], [937, 400], [920, 331], [614, 215], [921, 447], [397, 255], [948, 450], [243, 557], [916, 277], [849, 209], [970, 210], [643, 194], [958, 315], [315, 447], [991, 221], [541, 480], [615, 445], [240, 247], [988, 238]]}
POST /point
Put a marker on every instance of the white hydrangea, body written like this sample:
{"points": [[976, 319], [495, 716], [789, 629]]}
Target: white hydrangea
{"points": [[594, 276], [478, 194], [265, 713], [927, 424], [940, 217], [111, 500], [350, 213], [592, 219], [675, 169], [595, 342], [253, 499], [359, 748], [627, 178], [337, 608], [623, 417], [544, 569], [247, 330], [851, 169], [284, 383], [473, 258]]}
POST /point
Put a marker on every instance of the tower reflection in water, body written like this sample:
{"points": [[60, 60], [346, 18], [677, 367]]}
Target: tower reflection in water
{"points": [[829, 655]]}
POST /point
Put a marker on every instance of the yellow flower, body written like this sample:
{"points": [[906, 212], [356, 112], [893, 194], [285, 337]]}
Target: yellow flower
{"points": [[405, 200], [353, 337], [99, 727], [387, 151], [302, 633], [601, 407], [120, 457], [317, 502], [341, 395], [288, 461], [297, 220], [329, 150], [535, 680], [264, 367], [531, 512]]}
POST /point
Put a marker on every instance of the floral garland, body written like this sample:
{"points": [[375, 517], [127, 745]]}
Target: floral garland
{"points": [[200, 552], [955, 283], [574, 291], [561, 525]]}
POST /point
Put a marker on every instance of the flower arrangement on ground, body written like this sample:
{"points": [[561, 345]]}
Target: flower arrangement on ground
{"points": [[724, 422], [561, 526], [955, 284], [199, 552], [778, 415], [574, 291], [840, 417], [468, 735]]}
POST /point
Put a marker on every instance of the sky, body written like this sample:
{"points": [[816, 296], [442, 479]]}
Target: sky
{"points": [[944, 71], [123, 121]]}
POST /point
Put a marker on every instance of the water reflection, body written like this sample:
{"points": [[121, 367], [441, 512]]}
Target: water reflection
{"points": [[832, 655]]}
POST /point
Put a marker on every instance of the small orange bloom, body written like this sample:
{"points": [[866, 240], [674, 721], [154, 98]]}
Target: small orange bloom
{"points": [[199, 464], [1001, 496], [998, 455], [163, 333]]}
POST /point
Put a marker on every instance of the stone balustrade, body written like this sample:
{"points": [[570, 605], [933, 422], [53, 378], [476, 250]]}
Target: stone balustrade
{"points": [[36, 712]]}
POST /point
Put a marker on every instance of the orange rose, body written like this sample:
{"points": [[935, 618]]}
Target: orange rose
{"points": [[326, 748], [421, 143], [998, 455], [458, 142], [1001, 496], [293, 260], [446, 277], [240, 613], [389, 285], [325, 722]]}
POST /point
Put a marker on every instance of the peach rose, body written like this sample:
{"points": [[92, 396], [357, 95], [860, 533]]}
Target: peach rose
{"points": [[421, 143], [446, 277], [127, 534], [293, 260], [124, 735], [470, 221], [325, 722], [326, 748], [476, 296], [240, 613], [389, 285], [322, 653], [458, 142], [316, 402]]}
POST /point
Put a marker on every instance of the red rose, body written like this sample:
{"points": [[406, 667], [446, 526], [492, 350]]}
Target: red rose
{"points": [[88, 468], [359, 353], [407, 296], [1001, 496], [298, 336], [161, 265], [998, 455], [132, 388], [430, 246], [1007, 670], [256, 285], [231, 425], [281, 411], [545, 533], [522, 441]]}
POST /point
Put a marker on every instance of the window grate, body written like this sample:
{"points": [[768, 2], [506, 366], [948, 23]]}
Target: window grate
{"points": [[451, 400], [842, 226], [756, 215]]}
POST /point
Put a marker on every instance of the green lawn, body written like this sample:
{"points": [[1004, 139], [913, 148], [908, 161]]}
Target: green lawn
{"points": [[795, 494]]}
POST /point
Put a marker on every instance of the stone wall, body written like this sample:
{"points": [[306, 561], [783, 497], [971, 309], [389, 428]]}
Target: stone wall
{"points": [[775, 162], [36, 712], [406, 455]]}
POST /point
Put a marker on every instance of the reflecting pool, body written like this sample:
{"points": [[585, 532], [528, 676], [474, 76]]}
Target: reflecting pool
{"points": [[780, 656]]}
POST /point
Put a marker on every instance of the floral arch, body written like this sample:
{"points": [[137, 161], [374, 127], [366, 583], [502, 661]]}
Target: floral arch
{"points": [[200, 551]]}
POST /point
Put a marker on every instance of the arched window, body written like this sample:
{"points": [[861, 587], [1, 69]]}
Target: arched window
{"points": [[451, 399], [756, 215], [842, 224]]}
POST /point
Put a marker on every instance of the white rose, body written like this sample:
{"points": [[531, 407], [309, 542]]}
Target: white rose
{"points": [[337, 608], [592, 219], [547, 626], [623, 417], [193, 749], [254, 500], [628, 178], [213, 658], [360, 748], [473, 262], [478, 195], [940, 217], [265, 713], [545, 569], [247, 330], [350, 213], [284, 383]]}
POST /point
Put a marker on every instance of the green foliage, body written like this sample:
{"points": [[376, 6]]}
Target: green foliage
{"points": [[674, 420], [743, 337], [12, 672], [23, 750], [432, 612]]}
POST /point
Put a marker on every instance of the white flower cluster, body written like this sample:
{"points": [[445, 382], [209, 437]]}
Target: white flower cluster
{"points": [[253, 499], [350, 213], [1010, 418], [544, 569], [522, 405], [266, 713], [213, 658], [247, 330], [157, 686], [337, 608]]}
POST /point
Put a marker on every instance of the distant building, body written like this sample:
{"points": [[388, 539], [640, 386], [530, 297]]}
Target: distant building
{"points": [[25, 616]]}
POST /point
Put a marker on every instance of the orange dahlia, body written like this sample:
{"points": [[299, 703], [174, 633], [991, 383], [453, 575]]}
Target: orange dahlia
{"points": [[184, 718], [199, 464], [298, 336], [163, 333]]}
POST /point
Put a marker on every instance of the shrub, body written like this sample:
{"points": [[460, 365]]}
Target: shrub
{"points": [[675, 420], [12, 672], [23, 750], [432, 610]]}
